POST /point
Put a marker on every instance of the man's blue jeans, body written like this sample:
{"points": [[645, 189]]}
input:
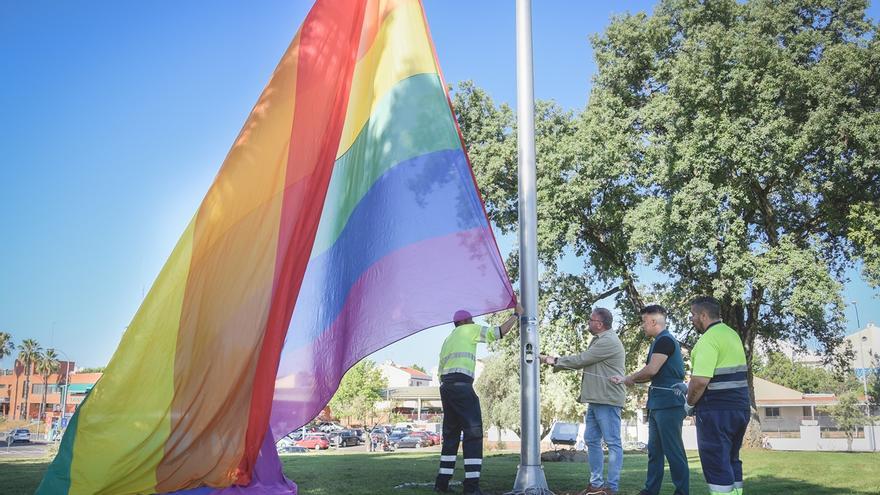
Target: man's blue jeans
{"points": [[603, 422]]}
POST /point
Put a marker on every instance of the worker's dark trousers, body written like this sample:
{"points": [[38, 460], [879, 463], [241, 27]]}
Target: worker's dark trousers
{"points": [[461, 415], [664, 440], [719, 438]]}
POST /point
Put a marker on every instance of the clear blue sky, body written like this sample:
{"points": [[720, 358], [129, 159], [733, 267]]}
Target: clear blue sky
{"points": [[117, 115]]}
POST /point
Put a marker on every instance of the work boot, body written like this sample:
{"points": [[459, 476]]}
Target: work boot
{"points": [[441, 486], [473, 491]]}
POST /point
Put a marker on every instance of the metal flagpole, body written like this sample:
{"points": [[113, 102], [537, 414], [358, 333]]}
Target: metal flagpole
{"points": [[530, 474]]}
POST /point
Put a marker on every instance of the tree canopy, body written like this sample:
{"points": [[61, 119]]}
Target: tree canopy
{"points": [[358, 392], [779, 369], [729, 149]]}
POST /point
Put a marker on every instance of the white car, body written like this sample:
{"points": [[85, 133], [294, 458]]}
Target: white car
{"points": [[18, 435]]}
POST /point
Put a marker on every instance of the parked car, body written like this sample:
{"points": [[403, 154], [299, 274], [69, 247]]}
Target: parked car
{"points": [[329, 427], [315, 441], [400, 431], [423, 434], [344, 438], [292, 449], [395, 436], [413, 441], [361, 434], [17, 435], [436, 437]]}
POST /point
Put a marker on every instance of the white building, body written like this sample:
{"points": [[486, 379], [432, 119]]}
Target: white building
{"points": [[796, 355], [402, 376], [865, 344]]}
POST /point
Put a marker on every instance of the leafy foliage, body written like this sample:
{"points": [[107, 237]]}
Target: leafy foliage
{"points": [[358, 392], [729, 148], [779, 369], [97, 369], [848, 416], [7, 347]]}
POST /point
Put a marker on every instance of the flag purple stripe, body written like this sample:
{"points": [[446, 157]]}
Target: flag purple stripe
{"points": [[394, 298]]}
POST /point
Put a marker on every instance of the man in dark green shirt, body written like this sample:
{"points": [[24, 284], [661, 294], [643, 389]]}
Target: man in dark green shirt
{"points": [[664, 368]]}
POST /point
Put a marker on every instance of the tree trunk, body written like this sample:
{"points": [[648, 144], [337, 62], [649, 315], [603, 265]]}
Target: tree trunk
{"points": [[27, 392], [43, 402], [544, 433], [735, 316], [755, 432], [13, 409]]}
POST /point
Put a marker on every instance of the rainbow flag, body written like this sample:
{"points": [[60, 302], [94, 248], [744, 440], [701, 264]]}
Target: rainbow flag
{"points": [[345, 217]]}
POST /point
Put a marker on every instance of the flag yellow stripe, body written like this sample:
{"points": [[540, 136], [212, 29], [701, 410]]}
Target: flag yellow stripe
{"points": [[137, 385], [400, 50]]}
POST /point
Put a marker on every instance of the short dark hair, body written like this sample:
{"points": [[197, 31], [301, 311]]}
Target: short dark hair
{"points": [[653, 309], [605, 316], [708, 305]]}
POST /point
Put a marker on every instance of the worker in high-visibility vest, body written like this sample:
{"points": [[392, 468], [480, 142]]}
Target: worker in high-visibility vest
{"points": [[718, 396], [462, 419]]}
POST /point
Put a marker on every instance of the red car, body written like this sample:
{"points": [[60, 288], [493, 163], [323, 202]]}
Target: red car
{"points": [[314, 441], [435, 437], [424, 434]]}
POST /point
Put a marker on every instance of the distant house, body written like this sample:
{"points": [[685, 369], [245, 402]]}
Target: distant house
{"points": [[409, 393], [402, 376], [784, 410]]}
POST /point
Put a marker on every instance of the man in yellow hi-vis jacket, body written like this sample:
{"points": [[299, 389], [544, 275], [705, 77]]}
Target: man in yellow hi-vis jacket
{"points": [[718, 396], [461, 406]]}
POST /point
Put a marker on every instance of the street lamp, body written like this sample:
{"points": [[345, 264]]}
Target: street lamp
{"points": [[864, 368], [856, 307], [865, 386], [66, 385]]}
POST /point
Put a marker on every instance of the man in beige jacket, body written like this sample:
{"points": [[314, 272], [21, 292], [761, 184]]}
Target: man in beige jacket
{"points": [[603, 358]]}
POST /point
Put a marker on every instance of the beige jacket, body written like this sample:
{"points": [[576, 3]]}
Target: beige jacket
{"points": [[605, 357]]}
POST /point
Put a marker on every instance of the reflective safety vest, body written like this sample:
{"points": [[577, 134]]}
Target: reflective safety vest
{"points": [[719, 356], [459, 351]]}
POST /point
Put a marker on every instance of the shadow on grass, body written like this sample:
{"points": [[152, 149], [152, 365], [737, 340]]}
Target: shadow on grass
{"points": [[20, 477]]}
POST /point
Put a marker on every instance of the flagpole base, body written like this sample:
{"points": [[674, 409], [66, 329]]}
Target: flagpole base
{"points": [[530, 480]]}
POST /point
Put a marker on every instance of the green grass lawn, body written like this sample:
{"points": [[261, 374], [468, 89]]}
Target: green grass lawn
{"points": [[330, 473]]}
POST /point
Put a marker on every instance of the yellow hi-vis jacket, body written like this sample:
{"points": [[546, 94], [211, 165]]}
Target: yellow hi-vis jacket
{"points": [[459, 351]]}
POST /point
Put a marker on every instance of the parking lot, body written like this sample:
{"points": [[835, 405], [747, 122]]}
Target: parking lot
{"points": [[360, 449]]}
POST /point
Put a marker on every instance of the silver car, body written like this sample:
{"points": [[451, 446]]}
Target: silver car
{"points": [[18, 435]]}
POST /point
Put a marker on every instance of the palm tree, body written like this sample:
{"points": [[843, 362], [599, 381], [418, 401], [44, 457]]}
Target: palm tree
{"points": [[7, 347], [47, 365], [29, 352]]}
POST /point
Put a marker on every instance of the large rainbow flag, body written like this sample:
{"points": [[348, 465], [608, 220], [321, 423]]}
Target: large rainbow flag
{"points": [[345, 217]]}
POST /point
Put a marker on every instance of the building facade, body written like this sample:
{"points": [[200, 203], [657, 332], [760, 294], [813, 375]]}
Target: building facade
{"points": [[64, 391]]}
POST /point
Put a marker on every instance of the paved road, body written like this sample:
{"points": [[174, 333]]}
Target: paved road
{"points": [[33, 450]]}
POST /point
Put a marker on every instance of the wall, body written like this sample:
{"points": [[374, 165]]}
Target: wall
{"points": [[810, 439]]}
